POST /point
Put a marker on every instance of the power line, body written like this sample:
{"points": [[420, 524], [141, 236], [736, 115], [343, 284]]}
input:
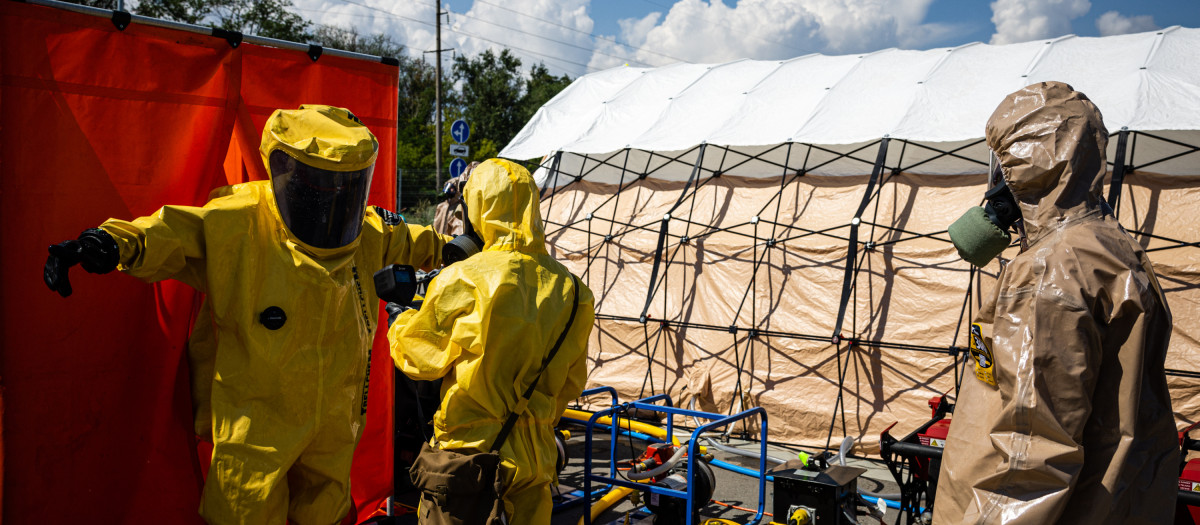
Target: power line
{"points": [[593, 35], [394, 15], [510, 46], [667, 7], [389, 13], [776, 42], [592, 50]]}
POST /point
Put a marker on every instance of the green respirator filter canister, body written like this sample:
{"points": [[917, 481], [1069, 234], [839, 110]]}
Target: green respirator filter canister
{"points": [[977, 239]]}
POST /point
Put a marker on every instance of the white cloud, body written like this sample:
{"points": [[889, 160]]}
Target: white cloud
{"points": [[711, 31], [613, 52], [400, 20], [1113, 23], [553, 32], [557, 32], [1025, 20]]}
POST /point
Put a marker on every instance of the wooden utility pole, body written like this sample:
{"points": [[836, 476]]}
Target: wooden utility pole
{"points": [[437, 86]]}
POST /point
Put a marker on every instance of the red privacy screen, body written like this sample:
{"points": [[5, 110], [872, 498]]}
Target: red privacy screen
{"points": [[96, 122]]}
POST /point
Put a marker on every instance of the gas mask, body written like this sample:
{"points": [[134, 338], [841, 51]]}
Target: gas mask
{"points": [[465, 245], [982, 232]]}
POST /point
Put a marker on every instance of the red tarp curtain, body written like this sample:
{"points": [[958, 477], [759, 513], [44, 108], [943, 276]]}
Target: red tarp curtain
{"points": [[98, 123]]}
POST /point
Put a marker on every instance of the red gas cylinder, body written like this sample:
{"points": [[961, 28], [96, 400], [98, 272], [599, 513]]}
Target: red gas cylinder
{"points": [[935, 435], [1189, 481]]}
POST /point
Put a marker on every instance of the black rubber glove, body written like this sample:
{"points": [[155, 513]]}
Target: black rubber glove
{"points": [[394, 310], [95, 250]]}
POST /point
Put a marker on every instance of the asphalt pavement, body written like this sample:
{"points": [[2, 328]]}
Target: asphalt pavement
{"points": [[735, 495]]}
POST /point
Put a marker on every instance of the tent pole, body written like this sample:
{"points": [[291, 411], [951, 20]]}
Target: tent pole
{"points": [[662, 233], [838, 403], [852, 249], [554, 167], [787, 158], [850, 277], [649, 377], [1118, 176], [964, 314], [587, 271], [617, 200]]}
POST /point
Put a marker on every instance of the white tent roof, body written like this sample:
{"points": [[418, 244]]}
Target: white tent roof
{"points": [[942, 97]]}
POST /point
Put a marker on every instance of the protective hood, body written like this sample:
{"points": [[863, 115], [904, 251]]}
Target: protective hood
{"points": [[1050, 141], [502, 205], [320, 159], [324, 137]]}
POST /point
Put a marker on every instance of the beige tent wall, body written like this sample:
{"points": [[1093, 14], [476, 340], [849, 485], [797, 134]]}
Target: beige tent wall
{"points": [[1169, 206], [910, 290]]}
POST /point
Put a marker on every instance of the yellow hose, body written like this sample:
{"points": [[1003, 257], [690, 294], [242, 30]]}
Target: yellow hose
{"points": [[629, 424], [615, 495]]}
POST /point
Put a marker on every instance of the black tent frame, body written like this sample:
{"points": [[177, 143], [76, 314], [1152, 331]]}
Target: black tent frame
{"points": [[857, 248]]}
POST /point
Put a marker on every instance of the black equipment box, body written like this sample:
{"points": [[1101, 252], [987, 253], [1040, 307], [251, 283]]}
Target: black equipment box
{"points": [[828, 495]]}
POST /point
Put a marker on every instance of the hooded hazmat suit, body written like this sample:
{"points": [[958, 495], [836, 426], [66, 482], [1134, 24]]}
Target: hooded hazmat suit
{"points": [[485, 325], [281, 350], [1078, 427]]}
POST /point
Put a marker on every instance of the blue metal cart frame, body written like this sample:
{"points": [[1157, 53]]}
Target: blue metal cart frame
{"points": [[648, 404]]}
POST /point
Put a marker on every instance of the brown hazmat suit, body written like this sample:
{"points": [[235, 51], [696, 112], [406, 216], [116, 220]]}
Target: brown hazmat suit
{"points": [[1078, 428]]}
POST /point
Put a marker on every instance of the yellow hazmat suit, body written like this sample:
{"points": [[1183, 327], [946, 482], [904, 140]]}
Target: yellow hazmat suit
{"points": [[485, 326], [280, 355], [1078, 428]]}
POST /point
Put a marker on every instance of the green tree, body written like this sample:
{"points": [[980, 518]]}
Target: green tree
{"points": [[415, 132], [490, 94], [102, 4], [186, 11], [348, 39], [268, 18], [497, 100], [541, 87], [414, 127]]}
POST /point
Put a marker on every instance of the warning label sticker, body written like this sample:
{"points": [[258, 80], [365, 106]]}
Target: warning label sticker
{"points": [[982, 354]]}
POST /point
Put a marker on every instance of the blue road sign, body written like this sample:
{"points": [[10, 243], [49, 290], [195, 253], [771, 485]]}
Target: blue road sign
{"points": [[457, 166], [460, 131]]}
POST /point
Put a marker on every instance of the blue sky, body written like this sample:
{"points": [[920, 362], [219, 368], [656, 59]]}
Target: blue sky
{"points": [[574, 37]]}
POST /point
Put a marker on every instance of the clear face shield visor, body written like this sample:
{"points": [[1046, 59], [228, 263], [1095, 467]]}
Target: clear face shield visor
{"points": [[322, 208]]}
